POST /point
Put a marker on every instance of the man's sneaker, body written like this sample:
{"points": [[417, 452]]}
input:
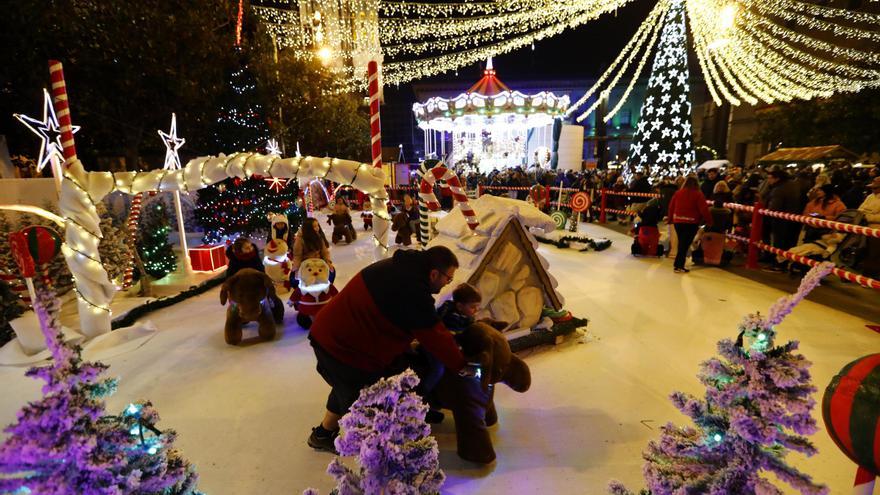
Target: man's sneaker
{"points": [[321, 439], [681, 270], [434, 417]]}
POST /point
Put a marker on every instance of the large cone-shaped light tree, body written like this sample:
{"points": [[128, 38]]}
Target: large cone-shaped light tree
{"points": [[663, 143]]}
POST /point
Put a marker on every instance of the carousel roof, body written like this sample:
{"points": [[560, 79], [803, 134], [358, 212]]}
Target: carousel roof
{"points": [[490, 103]]}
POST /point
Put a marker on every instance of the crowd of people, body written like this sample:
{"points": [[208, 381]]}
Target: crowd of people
{"points": [[817, 193]]}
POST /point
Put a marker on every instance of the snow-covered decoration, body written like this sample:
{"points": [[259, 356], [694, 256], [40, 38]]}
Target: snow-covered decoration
{"points": [[756, 410], [489, 122], [431, 173], [663, 140], [80, 189], [386, 430], [500, 258]]}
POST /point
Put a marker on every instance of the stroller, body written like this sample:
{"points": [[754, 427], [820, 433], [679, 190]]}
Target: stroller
{"points": [[821, 244], [646, 233], [712, 242]]}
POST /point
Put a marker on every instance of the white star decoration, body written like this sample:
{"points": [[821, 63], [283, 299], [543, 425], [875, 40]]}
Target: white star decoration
{"points": [[172, 144], [48, 130], [272, 148], [277, 184]]}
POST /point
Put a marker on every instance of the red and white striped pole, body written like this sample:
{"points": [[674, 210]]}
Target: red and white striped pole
{"points": [[375, 128], [133, 218], [62, 108]]}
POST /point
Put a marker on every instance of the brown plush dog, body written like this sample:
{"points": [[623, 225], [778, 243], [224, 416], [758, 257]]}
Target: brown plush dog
{"points": [[471, 400], [250, 293], [400, 224]]}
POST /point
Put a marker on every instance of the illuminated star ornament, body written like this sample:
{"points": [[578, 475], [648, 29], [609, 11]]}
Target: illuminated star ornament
{"points": [[277, 184], [272, 148], [172, 144], [48, 131]]}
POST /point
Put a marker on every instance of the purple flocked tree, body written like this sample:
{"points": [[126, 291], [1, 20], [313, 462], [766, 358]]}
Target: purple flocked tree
{"points": [[65, 443], [386, 430], [756, 409]]}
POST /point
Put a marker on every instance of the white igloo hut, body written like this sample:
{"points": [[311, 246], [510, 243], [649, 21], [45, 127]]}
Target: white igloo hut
{"points": [[500, 258]]}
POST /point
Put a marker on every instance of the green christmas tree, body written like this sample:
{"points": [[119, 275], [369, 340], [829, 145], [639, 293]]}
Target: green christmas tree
{"points": [[241, 125], [155, 251], [663, 142], [237, 206], [10, 309]]}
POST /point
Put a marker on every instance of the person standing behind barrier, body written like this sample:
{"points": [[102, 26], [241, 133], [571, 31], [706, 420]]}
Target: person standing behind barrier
{"points": [[871, 208], [784, 196], [687, 210]]}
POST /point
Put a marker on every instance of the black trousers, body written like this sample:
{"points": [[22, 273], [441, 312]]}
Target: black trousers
{"points": [[685, 233], [346, 381]]}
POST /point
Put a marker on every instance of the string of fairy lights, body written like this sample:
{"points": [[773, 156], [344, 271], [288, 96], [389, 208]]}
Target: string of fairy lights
{"points": [[748, 51]]}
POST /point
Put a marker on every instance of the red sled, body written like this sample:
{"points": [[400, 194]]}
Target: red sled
{"points": [[712, 250], [647, 242]]}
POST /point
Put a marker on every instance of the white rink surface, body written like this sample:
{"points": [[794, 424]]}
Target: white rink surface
{"points": [[243, 413]]}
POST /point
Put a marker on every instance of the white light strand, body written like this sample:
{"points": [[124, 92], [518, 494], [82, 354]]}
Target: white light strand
{"points": [[637, 73], [632, 46]]}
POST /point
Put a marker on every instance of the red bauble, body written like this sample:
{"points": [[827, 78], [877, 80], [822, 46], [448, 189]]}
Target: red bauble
{"points": [[285, 204], [851, 411], [236, 181]]}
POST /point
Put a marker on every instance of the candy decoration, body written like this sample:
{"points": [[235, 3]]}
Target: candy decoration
{"points": [[375, 128], [62, 110], [19, 246], [538, 195], [450, 181], [424, 227], [580, 202], [134, 216], [43, 243], [851, 411], [559, 218]]}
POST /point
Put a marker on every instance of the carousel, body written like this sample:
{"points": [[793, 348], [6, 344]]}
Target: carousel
{"points": [[490, 126]]}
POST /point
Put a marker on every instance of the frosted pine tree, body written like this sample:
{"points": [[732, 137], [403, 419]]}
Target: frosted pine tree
{"points": [[663, 143], [65, 443], [386, 430], [112, 248], [756, 410]]}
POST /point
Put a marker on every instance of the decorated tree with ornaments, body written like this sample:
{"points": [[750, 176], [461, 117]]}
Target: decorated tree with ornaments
{"points": [[663, 142], [241, 124], [155, 251], [757, 408], [10, 308], [65, 443], [242, 207], [386, 430]]}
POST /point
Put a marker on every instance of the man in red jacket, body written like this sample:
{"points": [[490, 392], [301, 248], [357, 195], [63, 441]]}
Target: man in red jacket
{"points": [[363, 333]]}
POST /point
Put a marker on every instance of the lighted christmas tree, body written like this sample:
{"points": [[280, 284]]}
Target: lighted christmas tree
{"points": [[112, 248], [241, 124], [385, 428], [663, 142], [756, 409], [157, 255], [64, 443], [237, 206], [8, 268]]}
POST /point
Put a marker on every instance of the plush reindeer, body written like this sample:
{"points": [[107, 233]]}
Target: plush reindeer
{"points": [[400, 224]]}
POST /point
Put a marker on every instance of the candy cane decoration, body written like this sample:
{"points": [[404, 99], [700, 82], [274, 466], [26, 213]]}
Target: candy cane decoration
{"points": [[375, 128], [62, 109], [133, 218], [427, 197]]}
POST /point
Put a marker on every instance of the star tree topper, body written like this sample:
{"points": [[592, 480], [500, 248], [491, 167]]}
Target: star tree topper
{"points": [[48, 130], [172, 144]]}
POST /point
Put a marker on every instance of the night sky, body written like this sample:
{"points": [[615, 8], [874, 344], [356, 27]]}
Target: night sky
{"points": [[582, 52]]}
